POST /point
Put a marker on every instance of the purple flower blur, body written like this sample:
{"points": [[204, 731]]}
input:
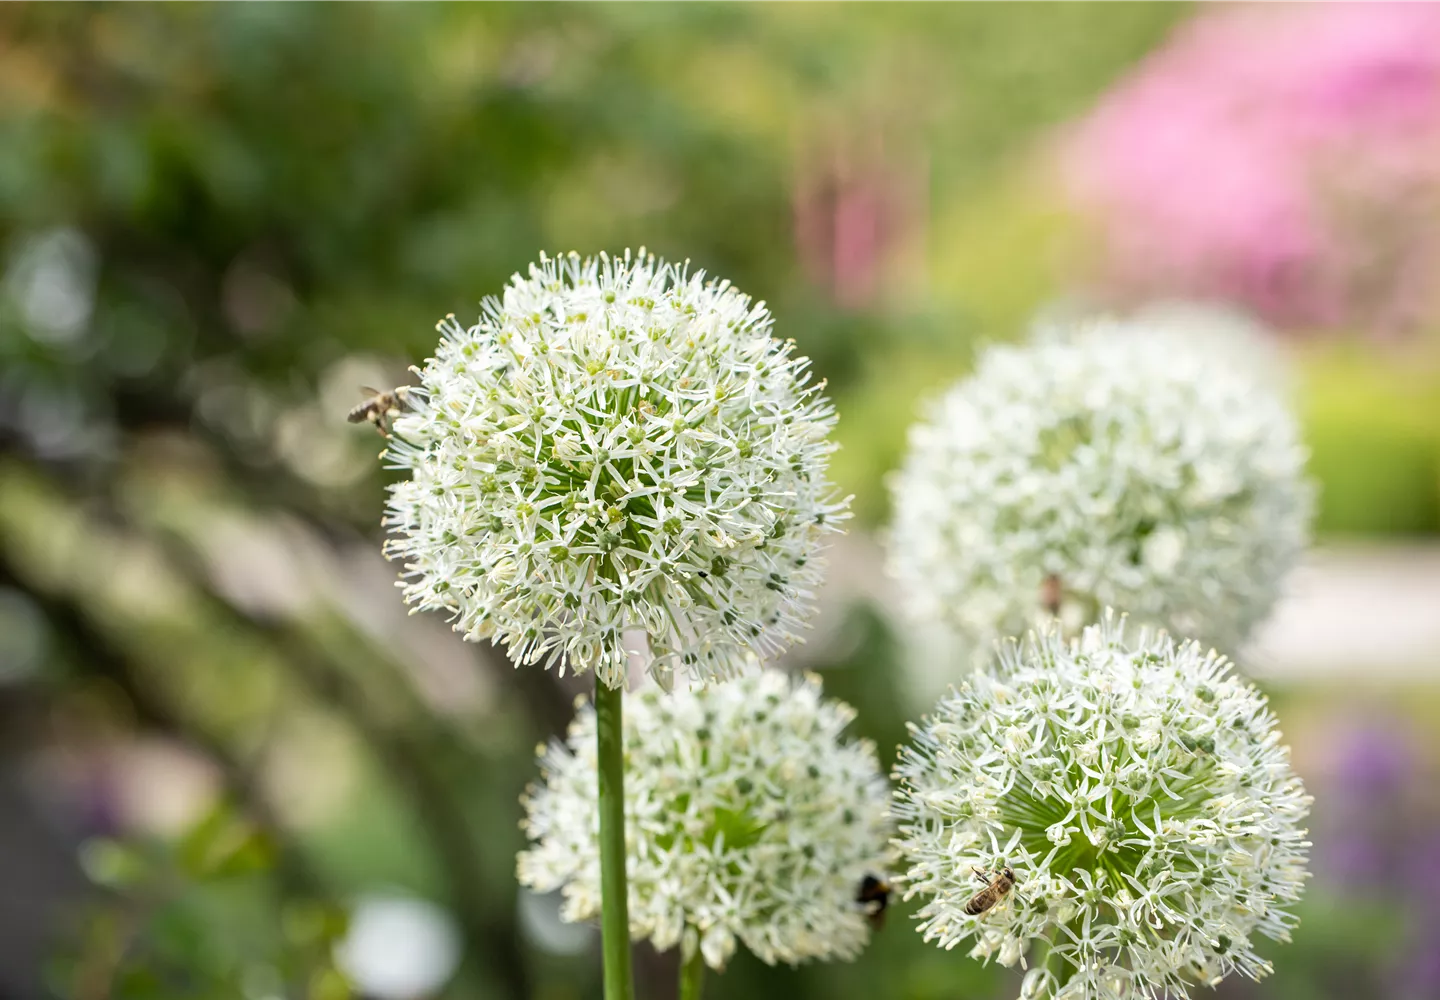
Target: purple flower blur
{"points": [[1371, 775], [1376, 840], [1282, 158], [1420, 969], [1376, 764]]}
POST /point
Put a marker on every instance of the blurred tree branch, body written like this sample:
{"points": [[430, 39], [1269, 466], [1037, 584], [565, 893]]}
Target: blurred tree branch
{"points": [[405, 756], [92, 652]]}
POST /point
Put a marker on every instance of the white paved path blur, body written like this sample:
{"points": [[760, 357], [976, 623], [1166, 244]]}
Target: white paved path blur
{"points": [[1367, 613], [1363, 613]]}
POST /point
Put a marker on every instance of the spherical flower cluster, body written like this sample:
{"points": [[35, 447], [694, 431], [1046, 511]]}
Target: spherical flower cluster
{"points": [[748, 817], [1141, 796], [616, 445], [1116, 465]]}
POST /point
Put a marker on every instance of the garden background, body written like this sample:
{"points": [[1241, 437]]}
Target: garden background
{"points": [[227, 748]]}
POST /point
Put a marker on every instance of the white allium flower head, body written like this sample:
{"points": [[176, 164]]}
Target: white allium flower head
{"points": [[1113, 463], [749, 817], [617, 444], [1140, 793]]}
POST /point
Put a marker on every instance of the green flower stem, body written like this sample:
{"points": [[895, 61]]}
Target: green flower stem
{"points": [[1063, 980], [615, 901], [1067, 969], [692, 976]]}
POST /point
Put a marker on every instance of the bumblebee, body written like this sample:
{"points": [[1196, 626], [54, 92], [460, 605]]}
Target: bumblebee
{"points": [[874, 895]]}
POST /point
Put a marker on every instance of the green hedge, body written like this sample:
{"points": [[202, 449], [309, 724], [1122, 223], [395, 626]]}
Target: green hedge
{"points": [[1373, 427]]}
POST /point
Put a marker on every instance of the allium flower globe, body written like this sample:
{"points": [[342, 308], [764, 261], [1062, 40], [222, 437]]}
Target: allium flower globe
{"points": [[1115, 465], [749, 817], [1140, 793], [616, 444]]}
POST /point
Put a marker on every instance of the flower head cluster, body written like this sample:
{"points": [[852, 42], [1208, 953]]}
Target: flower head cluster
{"points": [[1119, 466], [615, 445], [1139, 792], [748, 817]]}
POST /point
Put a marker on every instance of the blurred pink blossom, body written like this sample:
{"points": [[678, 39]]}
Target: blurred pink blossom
{"points": [[855, 203], [1285, 158]]}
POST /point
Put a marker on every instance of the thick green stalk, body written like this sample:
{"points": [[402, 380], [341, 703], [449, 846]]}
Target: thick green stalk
{"points": [[614, 891], [692, 976]]}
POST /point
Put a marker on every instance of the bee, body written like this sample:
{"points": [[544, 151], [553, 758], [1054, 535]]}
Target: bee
{"points": [[1051, 594], [381, 407], [995, 890], [874, 893]]}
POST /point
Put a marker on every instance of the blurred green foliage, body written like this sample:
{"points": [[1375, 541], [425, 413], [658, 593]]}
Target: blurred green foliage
{"points": [[1373, 426], [198, 916]]}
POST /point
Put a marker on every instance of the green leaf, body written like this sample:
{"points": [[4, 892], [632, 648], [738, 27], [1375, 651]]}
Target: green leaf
{"points": [[113, 864], [224, 844], [739, 828]]}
